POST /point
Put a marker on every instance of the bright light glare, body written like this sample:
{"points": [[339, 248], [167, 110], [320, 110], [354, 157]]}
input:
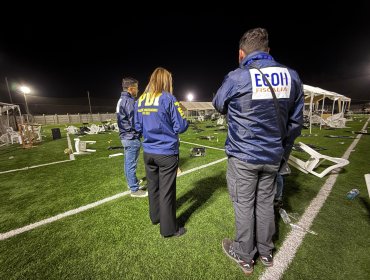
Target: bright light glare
{"points": [[25, 89], [190, 97]]}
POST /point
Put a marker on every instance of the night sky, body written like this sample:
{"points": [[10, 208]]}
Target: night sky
{"points": [[65, 53]]}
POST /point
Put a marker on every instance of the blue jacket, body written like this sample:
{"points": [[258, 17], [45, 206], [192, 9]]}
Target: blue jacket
{"points": [[125, 115], [160, 120], [253, 134]]}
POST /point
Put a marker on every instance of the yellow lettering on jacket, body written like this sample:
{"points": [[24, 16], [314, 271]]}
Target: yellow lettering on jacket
{"points": [[150, 99], [141, 99], [177, 104]]}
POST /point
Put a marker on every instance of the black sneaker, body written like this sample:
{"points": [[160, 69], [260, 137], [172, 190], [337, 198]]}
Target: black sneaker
{"points": [[278, 203], [247, 267], [267, 260], [178, 233]]}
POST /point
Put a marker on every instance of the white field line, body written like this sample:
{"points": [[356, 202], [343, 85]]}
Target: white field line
{"points": [[209, 147], [294, 239], [17, 231], [34, 166], [201, 167], [71, 157]]}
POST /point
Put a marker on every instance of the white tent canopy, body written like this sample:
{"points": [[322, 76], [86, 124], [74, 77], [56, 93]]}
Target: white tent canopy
{"points": [[6, 110], [313, 95], [196, 108]]}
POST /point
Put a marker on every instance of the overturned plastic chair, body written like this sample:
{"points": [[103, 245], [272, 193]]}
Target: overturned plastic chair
{"points": [[81, 147], [14, 136], [4, 139], [220, 121], [72, 129], [315, 160], [95, 129]]}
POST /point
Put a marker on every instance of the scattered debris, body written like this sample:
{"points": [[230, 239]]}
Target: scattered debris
{"points": [[198, 151], [221, 128], [296, 147], [114, 147], [339, 136], [211, 137], [364, 132], [295, 226], [351, 195], [284, 215], [308, 135], [116, 155]]}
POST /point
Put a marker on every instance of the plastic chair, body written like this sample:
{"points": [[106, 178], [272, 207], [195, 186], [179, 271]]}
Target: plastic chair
{"points": [[80, 147], [315, 160]]}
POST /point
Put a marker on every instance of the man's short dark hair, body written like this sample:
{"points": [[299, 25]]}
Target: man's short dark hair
{"points": [[128, 82], [256, 39]]}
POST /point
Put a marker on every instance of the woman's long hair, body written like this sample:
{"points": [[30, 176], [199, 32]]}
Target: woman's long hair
{"points": [[160, 80]]}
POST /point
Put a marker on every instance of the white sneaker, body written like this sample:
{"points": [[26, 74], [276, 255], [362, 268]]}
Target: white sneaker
{"points": [[139, 193]]}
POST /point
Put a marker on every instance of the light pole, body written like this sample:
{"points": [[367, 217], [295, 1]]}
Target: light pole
{"points": [[25, 90], [7, 86], [88, 97]]}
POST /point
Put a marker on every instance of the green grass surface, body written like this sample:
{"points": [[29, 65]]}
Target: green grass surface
{"points": [[116, 240]]}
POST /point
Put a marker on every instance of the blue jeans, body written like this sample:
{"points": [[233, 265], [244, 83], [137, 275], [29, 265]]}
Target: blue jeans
{"points": [[131, 156]]}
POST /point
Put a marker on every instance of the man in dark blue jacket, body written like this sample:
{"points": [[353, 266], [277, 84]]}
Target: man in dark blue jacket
{"points": [[130, 138], [256, 143]]}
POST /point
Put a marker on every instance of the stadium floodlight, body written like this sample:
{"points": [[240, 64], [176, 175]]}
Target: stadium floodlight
{"points": [[190, 96], [25, 89]]}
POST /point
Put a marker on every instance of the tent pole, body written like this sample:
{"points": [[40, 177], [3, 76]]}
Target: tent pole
{"points": [[311, 100], [332, 110], [322, 110]]}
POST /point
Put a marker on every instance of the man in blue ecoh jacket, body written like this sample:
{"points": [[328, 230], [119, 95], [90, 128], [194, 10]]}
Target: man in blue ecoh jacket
{"points": [[257, 142]]}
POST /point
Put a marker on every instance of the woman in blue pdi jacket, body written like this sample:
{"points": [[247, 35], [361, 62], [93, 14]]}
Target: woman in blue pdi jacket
{"points": [[159, 118]]}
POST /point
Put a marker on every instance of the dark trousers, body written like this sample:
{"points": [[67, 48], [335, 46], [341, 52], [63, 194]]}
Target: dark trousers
{"points": [[161, 172], [251, 188]]}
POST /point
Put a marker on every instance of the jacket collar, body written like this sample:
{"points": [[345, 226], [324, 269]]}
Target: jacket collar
{"points": [[254, 56], [126, 93]]}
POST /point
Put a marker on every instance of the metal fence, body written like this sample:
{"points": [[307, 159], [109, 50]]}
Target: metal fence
{"points": [[57, 119], [73, 118]]}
